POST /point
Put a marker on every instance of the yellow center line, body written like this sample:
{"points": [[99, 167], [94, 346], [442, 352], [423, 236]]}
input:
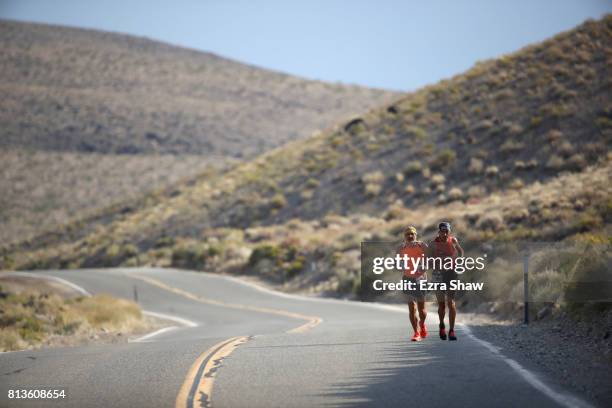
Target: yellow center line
{"points": [[311, 321], [198, 384], [197, 387]]}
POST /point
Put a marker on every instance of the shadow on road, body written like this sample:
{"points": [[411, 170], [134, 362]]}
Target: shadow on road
{"points": [[433, 373]]}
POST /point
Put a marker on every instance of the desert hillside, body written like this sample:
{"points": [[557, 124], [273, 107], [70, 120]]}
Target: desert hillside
{"points": [[515, 148], [72, 89], [152, 109]]}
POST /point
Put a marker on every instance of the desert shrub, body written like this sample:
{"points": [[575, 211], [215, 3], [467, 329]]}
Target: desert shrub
{"points": [[535, 121], [130, 250], [312, 183], [516, 215], [491, 221], [483, 125], [427, 149], [437, 179], [476, 191], [416, 132], [306, 195], [516, 184], [565, 148], [413, 167], [165, 242], [455, 193], [266, 251], [278, 201], [576, 162], [519, 165], [511, 146], [554, 135], [476, 166], [491, 171], [373, 177], [531, 164], [373, 147], [555, 162], [588, 221], [116, 253], [504, 93], [372, 189], [101, 311], [189, 256], [373, 182], [445, 158], [514, 129], [277, 261], [10, 339]]}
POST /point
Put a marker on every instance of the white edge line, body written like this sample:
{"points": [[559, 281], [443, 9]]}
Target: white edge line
{"points": [[71, 285], [176, 319], [179, 320], [84, 292], [563, 399], [148, 336]]}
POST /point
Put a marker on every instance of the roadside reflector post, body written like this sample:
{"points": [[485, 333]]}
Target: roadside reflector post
{"points": [[135, 294], [526, 285]]}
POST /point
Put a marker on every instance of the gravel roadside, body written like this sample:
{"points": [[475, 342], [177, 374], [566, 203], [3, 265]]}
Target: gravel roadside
{"points": [[578, 354]]}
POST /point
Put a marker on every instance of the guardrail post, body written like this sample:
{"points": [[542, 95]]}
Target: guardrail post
{"points": [[526, 285]]}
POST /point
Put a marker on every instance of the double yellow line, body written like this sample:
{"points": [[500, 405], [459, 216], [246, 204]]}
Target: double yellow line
{"points": [[197, 386]]}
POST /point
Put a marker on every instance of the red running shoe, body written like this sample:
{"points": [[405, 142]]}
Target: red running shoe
{"points": [[442, 333], [416, 337], [423, 329], [451, 335]]}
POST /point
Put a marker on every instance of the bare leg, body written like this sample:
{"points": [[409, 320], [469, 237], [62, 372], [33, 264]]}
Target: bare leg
{"points": [[441, 307], [413, 318], [452, 313], [422, 311]]}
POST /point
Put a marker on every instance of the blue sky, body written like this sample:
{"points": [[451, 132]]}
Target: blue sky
{"points": [[400, 45]]}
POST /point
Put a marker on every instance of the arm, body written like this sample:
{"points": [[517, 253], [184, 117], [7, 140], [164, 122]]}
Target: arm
{"points": [[458, 247]]}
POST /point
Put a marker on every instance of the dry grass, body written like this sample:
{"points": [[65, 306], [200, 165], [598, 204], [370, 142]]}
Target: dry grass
{"points": [[32, 318]]}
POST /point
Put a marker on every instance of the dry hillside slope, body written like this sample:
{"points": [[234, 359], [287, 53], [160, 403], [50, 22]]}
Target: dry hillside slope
{"points": [[88, 118], [531, 118], [72, 89]]}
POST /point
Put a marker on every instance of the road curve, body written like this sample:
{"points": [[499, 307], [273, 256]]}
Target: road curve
{"points": [[252, 347]]}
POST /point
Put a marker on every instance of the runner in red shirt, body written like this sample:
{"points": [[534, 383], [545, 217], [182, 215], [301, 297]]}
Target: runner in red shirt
{"points": [[416, 297], [445, 246]]}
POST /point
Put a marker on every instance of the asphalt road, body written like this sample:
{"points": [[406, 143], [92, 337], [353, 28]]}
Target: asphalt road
{"points": [[251, 347]]}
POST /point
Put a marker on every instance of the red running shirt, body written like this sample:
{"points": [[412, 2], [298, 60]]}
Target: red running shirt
{"points": [[444, 248], [414, 251]]}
